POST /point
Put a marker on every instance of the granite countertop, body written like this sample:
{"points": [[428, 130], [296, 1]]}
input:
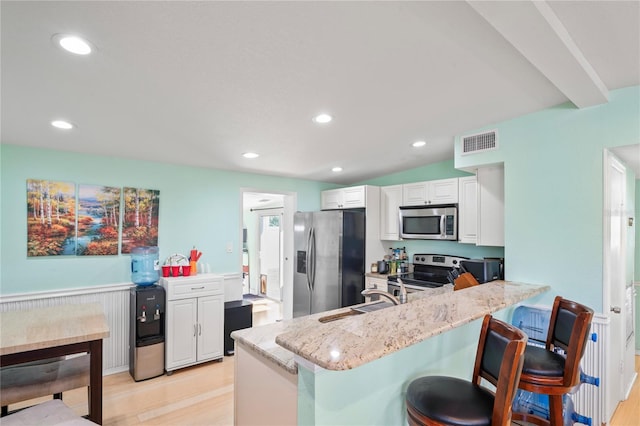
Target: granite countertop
{"points": [[51, 326], [355, 340]]}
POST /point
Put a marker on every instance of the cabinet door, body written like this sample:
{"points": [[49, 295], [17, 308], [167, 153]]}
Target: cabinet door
{"points": [[210, 327], [443, 191], [353, 197], [414, 194], [490, 206], [331, 199], [390, 201], [467, 210], [181, 333]]}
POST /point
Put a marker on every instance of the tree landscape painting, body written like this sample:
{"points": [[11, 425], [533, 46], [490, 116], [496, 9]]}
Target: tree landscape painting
{"points": [[51, 218], [98, 220], [140, 222]]}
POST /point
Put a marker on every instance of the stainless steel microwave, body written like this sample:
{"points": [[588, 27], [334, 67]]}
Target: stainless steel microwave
{"points": [[429, 222]]}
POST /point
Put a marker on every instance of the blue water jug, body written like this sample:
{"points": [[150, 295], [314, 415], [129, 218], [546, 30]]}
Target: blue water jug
{"points": [[538, 404], [145, 265]]}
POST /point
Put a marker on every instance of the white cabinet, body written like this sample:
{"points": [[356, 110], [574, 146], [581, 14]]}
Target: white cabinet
{"points": [[490, 206], [481, 208], [390, 201], [194, 320], [468, 210], [441, 191], [377, 283], [344, 198]]}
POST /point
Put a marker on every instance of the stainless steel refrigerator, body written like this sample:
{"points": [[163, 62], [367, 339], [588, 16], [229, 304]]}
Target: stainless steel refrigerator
{"points": [[329, 267]]}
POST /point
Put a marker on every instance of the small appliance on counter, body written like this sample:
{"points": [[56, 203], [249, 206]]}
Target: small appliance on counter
{"points": [[483, 270]]}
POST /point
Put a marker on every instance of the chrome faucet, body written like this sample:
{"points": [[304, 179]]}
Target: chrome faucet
{"points": [[401, 299]]}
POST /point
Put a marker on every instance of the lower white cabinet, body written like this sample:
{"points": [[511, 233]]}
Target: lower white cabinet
{"points": [[194, 328]]}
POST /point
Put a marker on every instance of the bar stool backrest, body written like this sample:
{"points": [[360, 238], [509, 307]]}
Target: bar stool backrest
{"points": [[569, 330], [499, 360]]}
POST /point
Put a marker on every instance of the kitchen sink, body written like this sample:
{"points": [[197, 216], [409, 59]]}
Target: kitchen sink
{"points": [[376, 306], [373, 307], [341, 315]]}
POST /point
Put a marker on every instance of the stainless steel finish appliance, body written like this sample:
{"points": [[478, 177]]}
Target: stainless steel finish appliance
{"points": [[429, 271], [329, 264], [429, 222], [146, 332], [483, 270]]}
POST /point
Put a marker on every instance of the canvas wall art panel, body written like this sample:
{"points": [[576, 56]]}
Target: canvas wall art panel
{"points": [[98, 220], [51, 218], [140, 221]]}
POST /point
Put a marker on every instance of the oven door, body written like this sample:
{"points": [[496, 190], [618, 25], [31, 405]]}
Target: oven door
{"points": [[429, 223]]}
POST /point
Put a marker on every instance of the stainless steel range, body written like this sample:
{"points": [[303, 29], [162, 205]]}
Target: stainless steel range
{"points": [[429, 271]]}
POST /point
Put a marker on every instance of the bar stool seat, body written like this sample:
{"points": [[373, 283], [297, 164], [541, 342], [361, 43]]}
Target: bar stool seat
{"points": [[541, 362], [450, 400], [545, 371], [440, 400]]}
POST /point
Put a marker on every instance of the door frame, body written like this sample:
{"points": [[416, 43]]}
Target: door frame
{"points": [[613, 294], [290, 203]]}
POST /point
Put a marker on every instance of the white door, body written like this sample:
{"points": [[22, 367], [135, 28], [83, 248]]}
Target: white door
{"points": [[210, 327], [621, 354], [271, 253]]}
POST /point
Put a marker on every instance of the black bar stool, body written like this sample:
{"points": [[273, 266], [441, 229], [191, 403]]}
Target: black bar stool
{"points": [[439, 400], [546, 371]]}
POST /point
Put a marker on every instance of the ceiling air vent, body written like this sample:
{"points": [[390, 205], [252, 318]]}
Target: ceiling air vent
{"points": [[480, 142]]}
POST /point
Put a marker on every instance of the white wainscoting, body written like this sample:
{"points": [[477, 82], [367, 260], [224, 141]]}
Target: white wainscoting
{"points": [[114, 299], [115, 303]]}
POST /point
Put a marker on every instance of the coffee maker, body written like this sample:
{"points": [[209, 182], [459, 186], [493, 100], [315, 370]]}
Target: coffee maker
{"points": [[146, 332]]}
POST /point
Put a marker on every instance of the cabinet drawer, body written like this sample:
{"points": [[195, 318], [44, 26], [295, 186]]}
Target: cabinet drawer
{"points": [[194, 286]]}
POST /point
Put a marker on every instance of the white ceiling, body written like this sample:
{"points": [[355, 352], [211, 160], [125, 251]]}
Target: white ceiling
{"points": [[199, 83]]}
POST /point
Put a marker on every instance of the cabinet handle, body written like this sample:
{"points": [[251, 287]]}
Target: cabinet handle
{"points": [[197, 288], [194, 330], [199, 329]]}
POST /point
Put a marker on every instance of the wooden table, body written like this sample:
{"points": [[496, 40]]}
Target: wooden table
{"points": [[56, 331]]}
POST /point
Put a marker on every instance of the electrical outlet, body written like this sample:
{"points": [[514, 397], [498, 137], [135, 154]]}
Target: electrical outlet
{"points": [[229, 247]]}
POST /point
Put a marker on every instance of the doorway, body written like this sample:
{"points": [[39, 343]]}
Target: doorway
{"points": [[267, 220], [618, 291]]}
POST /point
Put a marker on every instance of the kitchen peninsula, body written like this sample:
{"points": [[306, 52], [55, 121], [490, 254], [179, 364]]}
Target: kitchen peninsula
{"points": [[355, 370]]}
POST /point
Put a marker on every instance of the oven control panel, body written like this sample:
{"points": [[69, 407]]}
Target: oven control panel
{"points": [[438, 260]]}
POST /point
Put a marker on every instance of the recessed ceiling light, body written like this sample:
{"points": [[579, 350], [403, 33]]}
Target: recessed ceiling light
{"points": [[418, 144], [250, 155], [322, 118], [336, 169], [73, 44], [61, 124]]}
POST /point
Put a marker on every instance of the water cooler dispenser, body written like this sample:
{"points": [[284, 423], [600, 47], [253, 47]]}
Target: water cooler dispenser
{"points": [[147, 316]]}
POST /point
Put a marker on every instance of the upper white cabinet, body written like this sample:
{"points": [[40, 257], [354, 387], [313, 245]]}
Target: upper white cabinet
{"points": [[490, 206], [481, 208], [344, 198], [441, 191], [468, 210], [390, 201]]}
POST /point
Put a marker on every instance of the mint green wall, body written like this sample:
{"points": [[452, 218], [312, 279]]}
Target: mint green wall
{"points": [[441, 170], [198, 207], [553, 163]]}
